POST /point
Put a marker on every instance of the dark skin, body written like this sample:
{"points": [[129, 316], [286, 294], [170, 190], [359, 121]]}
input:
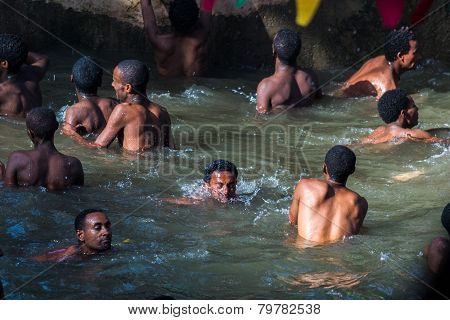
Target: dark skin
{"points": [[377, 75], [437, 254], [222, 188], [326, 211], [176, 54], [289, 87], [402, 129], [43, 166], [94, 238], [138, 123], [89, 115], [20, 92], [2, 171]]}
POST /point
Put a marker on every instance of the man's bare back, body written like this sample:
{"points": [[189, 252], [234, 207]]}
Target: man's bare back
{"points": [[19, 93], [182, 53], [393, 132], [325, 212]]}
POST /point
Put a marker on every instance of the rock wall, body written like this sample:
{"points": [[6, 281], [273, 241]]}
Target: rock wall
{"points": [[341, 34]]}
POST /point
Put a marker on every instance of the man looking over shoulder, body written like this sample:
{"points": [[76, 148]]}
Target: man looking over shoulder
{"points": [[325, 210], [91, 112], [182, 52], [20, 74]]}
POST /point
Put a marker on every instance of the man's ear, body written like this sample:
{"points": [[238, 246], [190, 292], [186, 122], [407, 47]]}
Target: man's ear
{"points": [[4, 64], [325, 169], [400, 56], [128, 88], [80, 235], [30, 134]]}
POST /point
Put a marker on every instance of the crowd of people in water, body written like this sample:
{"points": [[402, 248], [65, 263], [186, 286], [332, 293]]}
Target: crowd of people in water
{"points": [[323, 209]]}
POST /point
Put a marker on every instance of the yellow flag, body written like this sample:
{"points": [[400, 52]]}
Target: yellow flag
{"points": [[306, 9]]}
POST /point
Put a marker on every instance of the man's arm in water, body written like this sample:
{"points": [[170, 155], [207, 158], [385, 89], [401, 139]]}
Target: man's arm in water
{"points": [[182, 201], [423, 136], [39, 63], [150, 26], [16, 161], [58, 255], [293, 210], [71, 123], [263, 97]]}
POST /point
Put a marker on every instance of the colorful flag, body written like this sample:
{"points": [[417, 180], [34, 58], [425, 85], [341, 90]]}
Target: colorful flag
{"points": [[306, 9], [391, 12]]}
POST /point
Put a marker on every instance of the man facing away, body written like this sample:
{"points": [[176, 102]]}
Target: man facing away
{"points": [[93, 232], [382, 73], [325, 210], [400, 114], [289, 86], [219, 182], [138, 123], [91, 112], [184, 51], [44, 165], [20, 74]]}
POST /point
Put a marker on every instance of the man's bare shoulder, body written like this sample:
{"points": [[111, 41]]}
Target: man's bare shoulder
{"points": [[82, 105], [268, 85], [20, 156], [312, 185]]}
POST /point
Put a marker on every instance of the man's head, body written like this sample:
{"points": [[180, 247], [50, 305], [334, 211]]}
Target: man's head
{"points": [[130, 77], [93, 231], [220, 178], [445, 218], [340, 162], [401, 46], [13, 53], [41, 124], [286, 46], [396, 105], [183, 15], [87, 75]]}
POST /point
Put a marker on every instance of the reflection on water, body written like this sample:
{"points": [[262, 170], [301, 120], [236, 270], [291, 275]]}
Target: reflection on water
{"points": [[244, 249]]}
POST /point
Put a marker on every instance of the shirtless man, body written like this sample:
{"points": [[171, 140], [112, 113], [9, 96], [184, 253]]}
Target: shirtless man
{"points": [[20, 74], [184, 51], [289, 86], [219, 181], [382, 73], [437, 252], [43, 166], [325, 210], [93, 231], [400, 114], [138, 123], [91, 112]]}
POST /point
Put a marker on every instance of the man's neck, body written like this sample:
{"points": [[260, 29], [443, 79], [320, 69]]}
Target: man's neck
{"points": [[82, 95], [333, 183], [45, 145], [284, 68], [5, 75], [136, 98], [395, 69]]}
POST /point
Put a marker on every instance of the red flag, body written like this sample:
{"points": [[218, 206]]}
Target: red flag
{"points": [[420, 11], [391, 12]]}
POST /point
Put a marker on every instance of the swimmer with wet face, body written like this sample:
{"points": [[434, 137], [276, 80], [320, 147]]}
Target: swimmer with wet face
{"points": [[219, 181], [289, 86], [325, 210], [382, 73], [93, 231], [400, 114], [91, 112], [20, 74], [138, 123], [44, 165], [182, 52]]}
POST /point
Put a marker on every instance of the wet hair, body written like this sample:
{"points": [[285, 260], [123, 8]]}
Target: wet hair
{"points": [[43, 123], [81, 218], [219, 165], [398, 41], [183, 15], [134, 72], [445, 218], [87, 75], [13, 50], [287, 45], [340, 162], [391, 103]]}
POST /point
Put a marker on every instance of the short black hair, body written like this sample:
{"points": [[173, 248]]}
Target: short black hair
{"points": [[340, 162], [287, 45], [219, 165], [13, 50], [81, 217], [42, 121], [391, 103], [134, 72], [445, 218], [87, 75], [183, 15], [398, 41]]}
